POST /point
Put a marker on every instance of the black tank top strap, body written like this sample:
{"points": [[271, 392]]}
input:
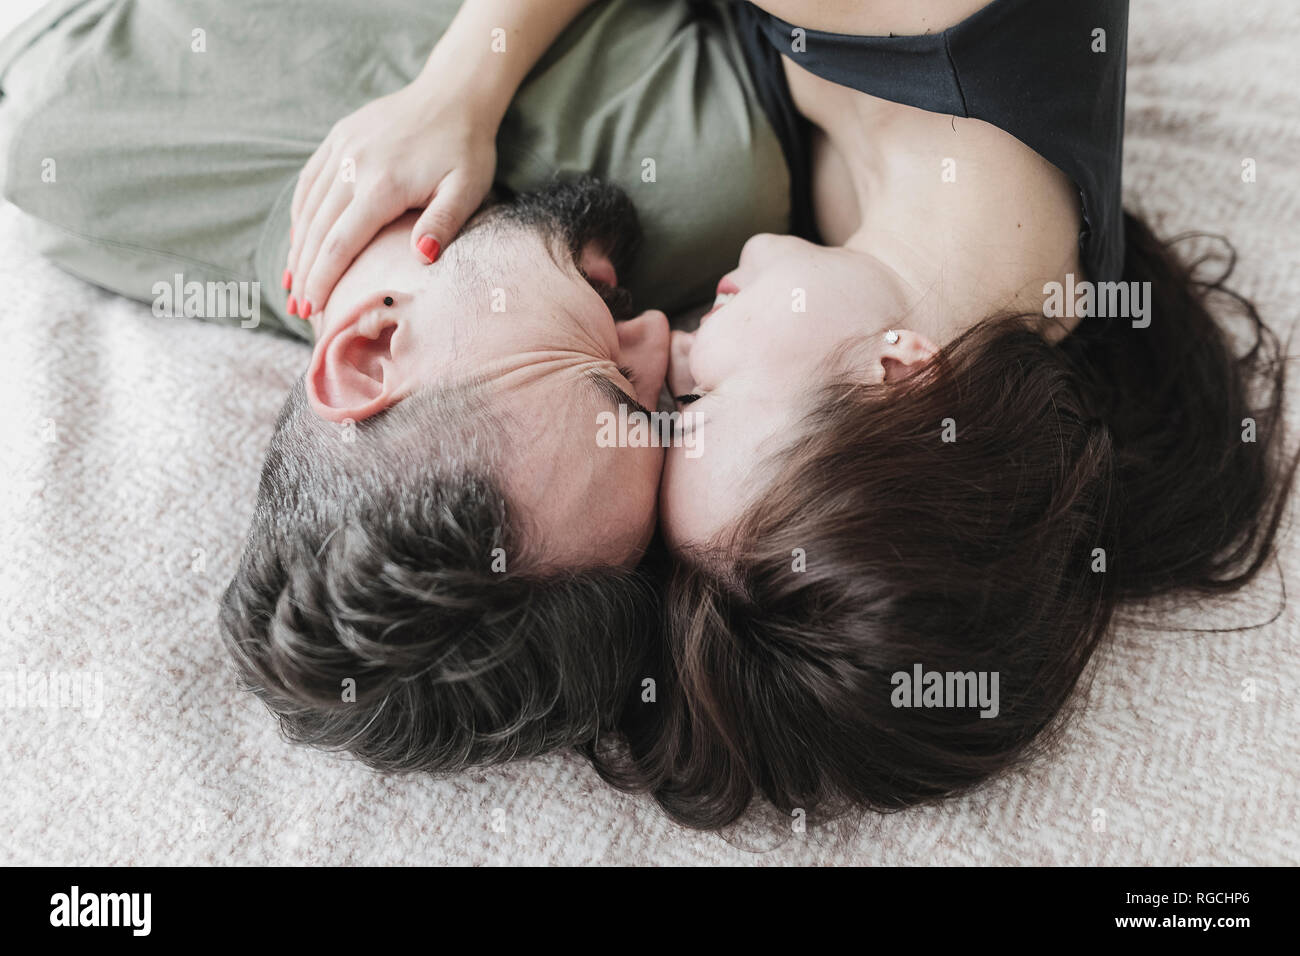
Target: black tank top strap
{"points": [[1049, 72]]}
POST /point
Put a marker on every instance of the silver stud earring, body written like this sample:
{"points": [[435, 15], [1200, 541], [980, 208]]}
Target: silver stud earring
{"points": [[891, 337]]}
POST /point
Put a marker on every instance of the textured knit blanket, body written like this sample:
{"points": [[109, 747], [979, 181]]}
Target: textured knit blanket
{"points": [[131, 447]]}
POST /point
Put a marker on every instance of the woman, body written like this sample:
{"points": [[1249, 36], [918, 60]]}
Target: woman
{"points": [[936, 472], [913, 460]]}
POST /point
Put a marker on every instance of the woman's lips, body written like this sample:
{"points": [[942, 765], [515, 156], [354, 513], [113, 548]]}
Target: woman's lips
{"points": [[726, 292]]}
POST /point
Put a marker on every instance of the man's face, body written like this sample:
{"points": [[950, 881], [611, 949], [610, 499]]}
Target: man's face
{"points": [[521, 304]]}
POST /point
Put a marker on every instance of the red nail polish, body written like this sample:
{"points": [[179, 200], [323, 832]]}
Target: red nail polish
{"points": [[429, 248], [292, 306], [306, 309], [287, 280]]}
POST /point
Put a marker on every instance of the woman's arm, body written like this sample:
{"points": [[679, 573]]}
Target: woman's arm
{"points": [[488, 67], [431, 144]]}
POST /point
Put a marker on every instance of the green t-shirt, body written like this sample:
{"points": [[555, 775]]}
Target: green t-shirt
{"points": [[162, 138]]}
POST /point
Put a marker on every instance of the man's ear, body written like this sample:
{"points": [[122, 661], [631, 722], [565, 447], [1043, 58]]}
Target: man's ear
{"points": [[352, 372], [908, 353]]}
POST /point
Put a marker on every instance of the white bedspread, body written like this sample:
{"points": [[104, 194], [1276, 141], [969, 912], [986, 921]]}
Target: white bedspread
{"points": [[131, 447]]}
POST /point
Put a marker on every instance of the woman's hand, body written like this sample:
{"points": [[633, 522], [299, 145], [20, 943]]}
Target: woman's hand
{"points": [[411, 149], [430, 145]]}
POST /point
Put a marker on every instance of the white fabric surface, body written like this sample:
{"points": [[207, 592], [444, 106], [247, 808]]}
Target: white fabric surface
{"points": [[118, 536]]}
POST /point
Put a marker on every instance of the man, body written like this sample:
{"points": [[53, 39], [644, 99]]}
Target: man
{"points": [[440, 569], [440, 566]]}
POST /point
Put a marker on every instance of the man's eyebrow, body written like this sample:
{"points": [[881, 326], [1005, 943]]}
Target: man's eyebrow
{"points": [[613, 393]]}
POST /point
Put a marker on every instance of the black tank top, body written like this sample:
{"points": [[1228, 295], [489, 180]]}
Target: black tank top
{"points": [[1037, 69]]}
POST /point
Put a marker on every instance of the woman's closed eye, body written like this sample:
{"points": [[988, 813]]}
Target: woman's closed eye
{"points": [[687, 399]]}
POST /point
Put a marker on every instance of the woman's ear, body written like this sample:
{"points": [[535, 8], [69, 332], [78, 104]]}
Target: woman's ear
{"points": [[352, 372], [903, 352]]}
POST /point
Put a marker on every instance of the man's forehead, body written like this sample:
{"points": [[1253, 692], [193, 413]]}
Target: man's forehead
{"points": [[587, 500], [572, 382]]}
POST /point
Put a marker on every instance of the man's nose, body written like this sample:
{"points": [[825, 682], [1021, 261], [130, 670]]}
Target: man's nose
{"points": [[643, 348], [680, 380]]}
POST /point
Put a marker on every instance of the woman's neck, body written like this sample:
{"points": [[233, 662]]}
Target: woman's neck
{"points": [[970, 218]]}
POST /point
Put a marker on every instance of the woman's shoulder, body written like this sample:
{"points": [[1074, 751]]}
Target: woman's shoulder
{"points": [[873, 17]]}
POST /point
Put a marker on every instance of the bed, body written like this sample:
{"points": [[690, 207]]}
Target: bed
{"points": [[131, 446]]}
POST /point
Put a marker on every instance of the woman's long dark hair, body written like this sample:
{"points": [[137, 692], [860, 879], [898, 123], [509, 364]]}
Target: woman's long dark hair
{"points": [[1121, 463]]}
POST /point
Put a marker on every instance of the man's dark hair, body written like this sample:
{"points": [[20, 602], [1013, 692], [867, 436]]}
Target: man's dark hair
{"points": [[370, 612]]}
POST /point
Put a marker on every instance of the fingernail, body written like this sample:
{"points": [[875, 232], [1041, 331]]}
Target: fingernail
{"points": [[292, 306], [429, 248], [306, 309], [287, 280]]}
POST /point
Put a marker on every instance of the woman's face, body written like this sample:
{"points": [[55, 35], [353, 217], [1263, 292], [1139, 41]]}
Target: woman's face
{"points": [[778, 332]]}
